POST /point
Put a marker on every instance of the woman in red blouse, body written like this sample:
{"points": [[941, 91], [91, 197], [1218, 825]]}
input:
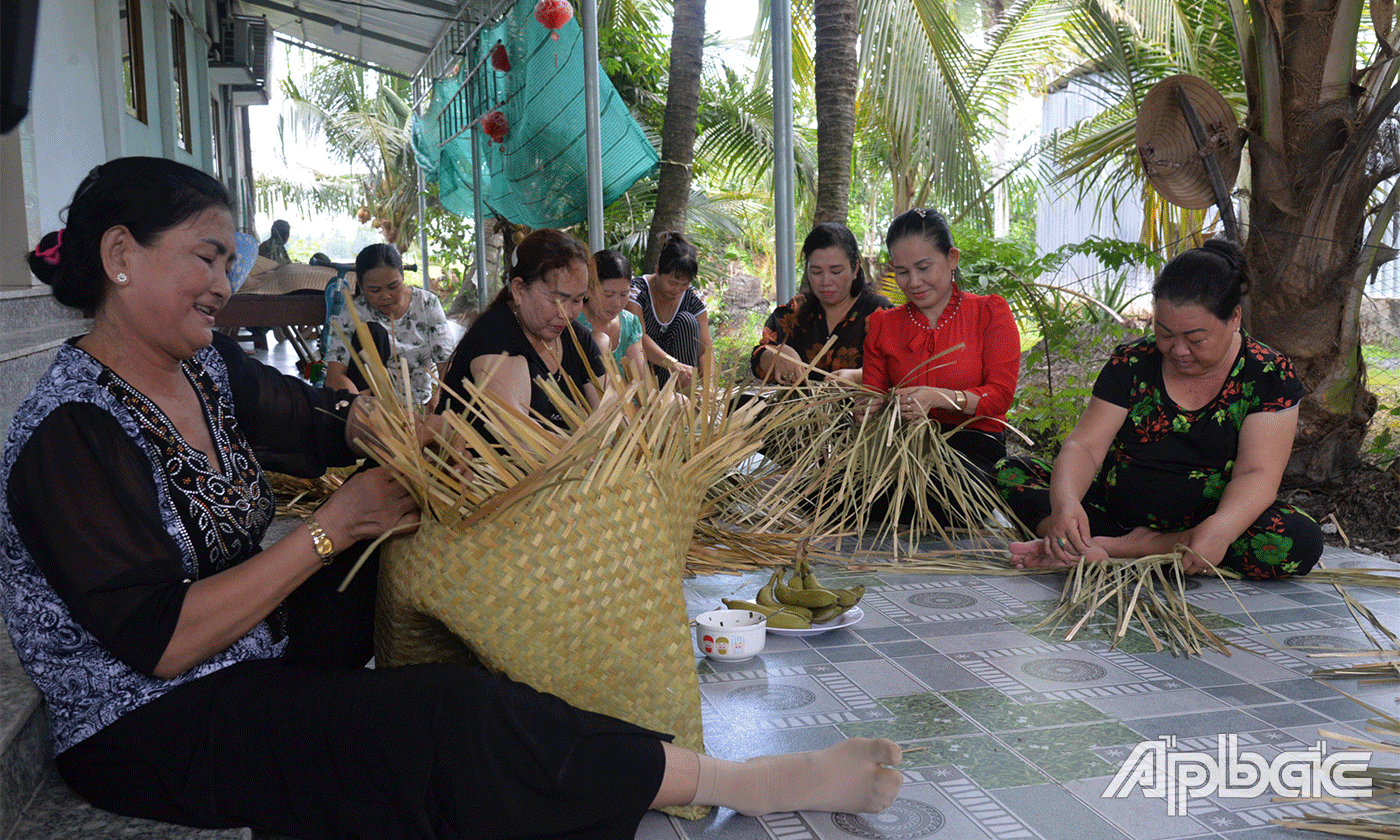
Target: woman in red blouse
{"points": [[970, 384]]}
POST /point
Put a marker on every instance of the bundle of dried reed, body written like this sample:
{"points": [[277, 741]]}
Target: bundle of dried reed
{"points": [[1377, 816], [1381, 578], [300, 497], [843, 461], [1150, 590]]}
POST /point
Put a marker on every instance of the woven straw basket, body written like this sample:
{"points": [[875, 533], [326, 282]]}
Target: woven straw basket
{"points": [[574, 590]]}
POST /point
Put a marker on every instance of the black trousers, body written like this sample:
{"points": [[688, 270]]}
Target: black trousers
{"points": [[328, 749]]}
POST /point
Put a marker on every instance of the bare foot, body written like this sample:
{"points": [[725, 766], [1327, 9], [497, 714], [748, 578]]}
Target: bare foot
{"points": [[852, 777], [1034, 554]]}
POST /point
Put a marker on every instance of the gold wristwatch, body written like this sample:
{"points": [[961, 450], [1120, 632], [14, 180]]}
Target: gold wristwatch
{"points": [[324, 547]]}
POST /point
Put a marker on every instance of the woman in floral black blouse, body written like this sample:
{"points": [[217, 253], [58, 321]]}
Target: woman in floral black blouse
{"points": [[836, 301], [1183, 444]]}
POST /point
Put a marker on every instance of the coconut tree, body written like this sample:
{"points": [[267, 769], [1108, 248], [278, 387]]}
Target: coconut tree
{"points": [[834, 73], [364, 120], [1319, 104], [679, 126]]}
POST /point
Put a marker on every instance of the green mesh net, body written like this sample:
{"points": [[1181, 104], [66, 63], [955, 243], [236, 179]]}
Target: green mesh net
{"points": [[537, 174]]}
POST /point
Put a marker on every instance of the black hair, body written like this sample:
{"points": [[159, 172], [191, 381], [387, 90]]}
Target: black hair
{"points": [[612, 264], [678, 257], [147, 196], [281, 230], [375, 256], [1213, 276], [833, 235], [930, 224], [544, 251], [921, 221]]}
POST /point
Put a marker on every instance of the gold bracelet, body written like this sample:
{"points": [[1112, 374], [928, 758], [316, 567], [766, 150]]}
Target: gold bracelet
{"points": [[961, 399], [325, 549]]}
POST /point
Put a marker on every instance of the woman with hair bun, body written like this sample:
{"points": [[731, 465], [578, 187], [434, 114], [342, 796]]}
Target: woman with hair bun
{"points": [[676, 337], [1183, 444]]}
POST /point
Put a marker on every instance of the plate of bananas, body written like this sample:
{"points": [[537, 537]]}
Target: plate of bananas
{"points": [[801, 605]]}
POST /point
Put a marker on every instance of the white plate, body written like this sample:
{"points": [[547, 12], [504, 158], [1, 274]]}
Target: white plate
{"points": [[845, 619]]}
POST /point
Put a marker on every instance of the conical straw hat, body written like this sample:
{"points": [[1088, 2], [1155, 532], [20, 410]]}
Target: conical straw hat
{"points": [[1168, 150]]}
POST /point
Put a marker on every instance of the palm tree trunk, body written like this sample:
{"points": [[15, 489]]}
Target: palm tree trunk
{"points": [[835, 73], [1311, 187], [678, 125]]}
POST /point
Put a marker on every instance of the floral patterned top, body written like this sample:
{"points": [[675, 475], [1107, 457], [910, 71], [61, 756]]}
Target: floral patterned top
{"points": [[1181, 460], [422, 336], [801, 324]]}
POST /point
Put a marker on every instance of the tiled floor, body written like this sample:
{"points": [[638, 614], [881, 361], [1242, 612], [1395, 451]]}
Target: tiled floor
{"points": [[1019, 733], [1022, 733]]}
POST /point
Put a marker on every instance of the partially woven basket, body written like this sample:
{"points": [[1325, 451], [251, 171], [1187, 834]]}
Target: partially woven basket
{"points": [[575, 590]]}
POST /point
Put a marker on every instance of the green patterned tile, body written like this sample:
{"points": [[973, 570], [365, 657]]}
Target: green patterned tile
{"points": [[1066, 753], [1000, 713], [916, 716], [982, 758]]}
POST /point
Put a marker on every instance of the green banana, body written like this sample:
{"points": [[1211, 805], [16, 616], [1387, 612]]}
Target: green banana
{"points": [[814, 598], [765, 595], [849, 597], [826, 614], [765, 600], [783, 618]]}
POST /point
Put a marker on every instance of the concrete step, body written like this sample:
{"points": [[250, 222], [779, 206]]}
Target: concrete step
{"points": [[35, 804], [32, 326]]}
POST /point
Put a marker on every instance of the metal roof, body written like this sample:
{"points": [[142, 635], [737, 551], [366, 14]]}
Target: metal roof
{"points": [[396, 35]]}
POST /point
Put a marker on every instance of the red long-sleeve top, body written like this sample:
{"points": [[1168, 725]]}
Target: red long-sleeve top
{"points": [[989, 364]]}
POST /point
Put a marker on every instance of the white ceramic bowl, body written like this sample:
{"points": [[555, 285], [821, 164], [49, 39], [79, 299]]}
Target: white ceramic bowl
{"points": [[730, 635]]}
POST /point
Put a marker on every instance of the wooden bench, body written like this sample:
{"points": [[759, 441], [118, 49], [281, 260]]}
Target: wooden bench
{"points": [[290, 311]]}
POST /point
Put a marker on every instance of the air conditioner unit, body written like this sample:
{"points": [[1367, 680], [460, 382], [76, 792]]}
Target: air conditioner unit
{"points": [[246, 41]]}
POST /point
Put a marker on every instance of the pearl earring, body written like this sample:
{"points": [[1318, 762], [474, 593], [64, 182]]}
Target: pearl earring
{"points": [[121, 278]]}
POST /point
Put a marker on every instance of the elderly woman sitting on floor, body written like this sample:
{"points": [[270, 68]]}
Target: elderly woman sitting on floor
{"points": [[1182, 446]]}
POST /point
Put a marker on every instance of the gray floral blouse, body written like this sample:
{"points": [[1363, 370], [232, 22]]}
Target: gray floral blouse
{"points": [[422, 337]]}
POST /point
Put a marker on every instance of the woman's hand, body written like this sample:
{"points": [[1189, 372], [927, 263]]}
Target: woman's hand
{"points": [[916, 402], [684, 374], [845, 376], [784, 366], [1202, 549], [1067, 535], [366, 506]]}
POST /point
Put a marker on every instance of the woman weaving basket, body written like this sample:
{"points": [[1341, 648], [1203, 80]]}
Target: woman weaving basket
{"points": [[530, 332], [1183, 443], [181, 662]]}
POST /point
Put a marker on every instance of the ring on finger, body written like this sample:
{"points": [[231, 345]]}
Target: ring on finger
{"points": [[1060, 541]]}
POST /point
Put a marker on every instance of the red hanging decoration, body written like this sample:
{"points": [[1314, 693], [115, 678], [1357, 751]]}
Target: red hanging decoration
{"points": [[500, 59], [496, 126], [554, 14]]}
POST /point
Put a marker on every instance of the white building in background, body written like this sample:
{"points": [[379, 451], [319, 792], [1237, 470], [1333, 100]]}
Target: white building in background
{"points": [[1063, 219], [166, 78]]}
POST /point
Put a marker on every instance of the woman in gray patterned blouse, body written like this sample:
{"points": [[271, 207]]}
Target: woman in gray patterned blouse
{"points": [[406, 319]]}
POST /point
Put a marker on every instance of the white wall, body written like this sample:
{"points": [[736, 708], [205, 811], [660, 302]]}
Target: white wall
{"points": [[64, 135], [1063, 219]]}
